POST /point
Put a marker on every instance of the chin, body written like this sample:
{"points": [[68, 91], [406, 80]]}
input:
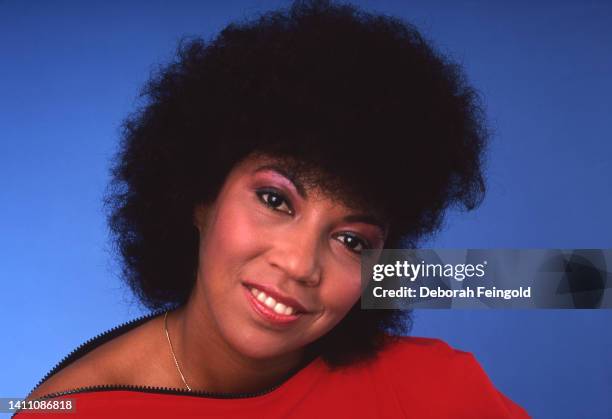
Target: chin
{"points": [[260, 345]]}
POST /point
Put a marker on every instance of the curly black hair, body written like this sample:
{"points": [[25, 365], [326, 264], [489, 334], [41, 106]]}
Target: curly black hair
{"points": [[361, 100]]}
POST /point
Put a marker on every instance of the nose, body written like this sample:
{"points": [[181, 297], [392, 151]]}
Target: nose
{"points": [[298, 255]]}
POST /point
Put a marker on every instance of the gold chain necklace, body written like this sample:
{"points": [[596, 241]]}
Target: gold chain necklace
{"points": [[172, 352]]}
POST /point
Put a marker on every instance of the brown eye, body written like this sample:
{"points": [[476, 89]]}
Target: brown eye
{"points": [[274, 200], [352, 242]]}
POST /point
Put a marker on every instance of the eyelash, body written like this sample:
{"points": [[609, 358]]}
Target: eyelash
{"points": [[364, 243], [261, 193]]}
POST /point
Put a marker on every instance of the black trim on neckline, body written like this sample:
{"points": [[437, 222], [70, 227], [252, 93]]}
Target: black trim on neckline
{"points": [[110, 334]]}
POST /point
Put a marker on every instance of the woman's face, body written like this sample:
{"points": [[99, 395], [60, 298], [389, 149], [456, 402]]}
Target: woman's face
{"points": [[279, 263]]}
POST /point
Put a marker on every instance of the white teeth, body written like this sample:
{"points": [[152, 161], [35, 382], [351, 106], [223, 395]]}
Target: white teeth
{"points": [[280, 308], [270, 302]]}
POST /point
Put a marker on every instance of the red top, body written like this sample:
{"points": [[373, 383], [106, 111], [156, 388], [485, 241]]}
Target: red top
{"points": [[413, 378]]}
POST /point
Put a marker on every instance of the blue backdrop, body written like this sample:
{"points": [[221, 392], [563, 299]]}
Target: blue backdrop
{"points": [[71, 70]]}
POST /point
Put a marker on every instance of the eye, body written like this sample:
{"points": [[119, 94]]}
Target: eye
{"points": [[352, 242], [274, 200]]}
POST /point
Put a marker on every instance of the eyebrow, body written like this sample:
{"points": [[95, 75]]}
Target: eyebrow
{"points": [[299, 186], [366, 219]]}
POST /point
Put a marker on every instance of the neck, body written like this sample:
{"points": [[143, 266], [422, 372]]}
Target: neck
{"points": [[210, 364]]}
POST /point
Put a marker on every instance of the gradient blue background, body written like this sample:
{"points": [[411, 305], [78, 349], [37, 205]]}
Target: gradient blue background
{"points": [[71, 70]]}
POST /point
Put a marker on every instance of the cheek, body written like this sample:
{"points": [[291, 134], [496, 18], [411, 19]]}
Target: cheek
{"points": [[341, 290], [231, 237]]}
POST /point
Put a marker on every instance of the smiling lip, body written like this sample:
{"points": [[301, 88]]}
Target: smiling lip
{"points": [[269, 314], [278, 296]]}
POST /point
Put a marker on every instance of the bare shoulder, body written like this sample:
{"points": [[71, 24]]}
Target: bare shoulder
{"points": [[131, 358]]}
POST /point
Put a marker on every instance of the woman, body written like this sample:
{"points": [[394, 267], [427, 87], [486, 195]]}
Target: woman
{"points": [[259, 167]]}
